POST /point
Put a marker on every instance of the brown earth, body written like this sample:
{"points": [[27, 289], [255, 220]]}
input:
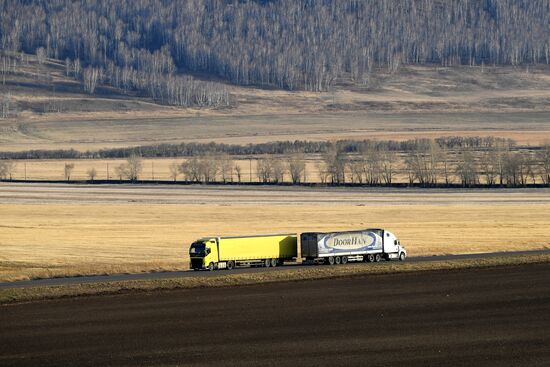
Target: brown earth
{"points": [[471, 317]]}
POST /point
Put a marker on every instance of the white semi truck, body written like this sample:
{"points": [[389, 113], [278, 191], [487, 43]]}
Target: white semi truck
{"points": [[371, 245]]}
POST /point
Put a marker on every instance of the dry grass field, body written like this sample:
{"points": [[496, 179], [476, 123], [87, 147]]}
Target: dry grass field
{"points": [[49, 230], [429, 101], [55, 230]]}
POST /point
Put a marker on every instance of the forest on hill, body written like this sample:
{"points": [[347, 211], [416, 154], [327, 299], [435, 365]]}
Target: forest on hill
{"points": [[153, 46]]}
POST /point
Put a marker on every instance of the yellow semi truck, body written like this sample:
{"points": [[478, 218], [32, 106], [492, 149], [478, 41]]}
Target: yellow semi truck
{"points": [[229, 252]]}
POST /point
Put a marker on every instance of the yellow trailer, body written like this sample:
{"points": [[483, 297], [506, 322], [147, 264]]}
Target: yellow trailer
{"points": [[229, 252]]}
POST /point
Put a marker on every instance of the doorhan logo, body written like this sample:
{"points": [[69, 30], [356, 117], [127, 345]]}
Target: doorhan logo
{"points": [[351, 240]]}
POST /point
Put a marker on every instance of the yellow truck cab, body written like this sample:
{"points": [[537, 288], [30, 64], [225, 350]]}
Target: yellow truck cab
{"points": [[204, 252], [213, 253]]}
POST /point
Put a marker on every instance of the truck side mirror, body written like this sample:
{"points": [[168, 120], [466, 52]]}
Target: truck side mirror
{"points": [[395, 242]]}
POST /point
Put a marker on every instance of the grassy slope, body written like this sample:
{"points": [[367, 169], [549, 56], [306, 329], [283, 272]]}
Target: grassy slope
{"points": [[417, 101]]}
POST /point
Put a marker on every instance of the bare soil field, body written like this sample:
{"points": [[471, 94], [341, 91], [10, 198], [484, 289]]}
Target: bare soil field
{"points": [[57, 230], [469, 317], [53, 113]]}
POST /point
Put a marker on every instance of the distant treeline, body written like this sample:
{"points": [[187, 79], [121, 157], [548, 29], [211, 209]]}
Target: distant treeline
{"points": [[279, 147]]}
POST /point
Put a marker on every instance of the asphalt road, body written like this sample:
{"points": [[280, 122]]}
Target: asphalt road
{"points": [[183, 274], [469, 317]]}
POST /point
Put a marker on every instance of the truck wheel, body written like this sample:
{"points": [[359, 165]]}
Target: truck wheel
{"points": [[402, 256], [230, 265], [377, 258], [331, 260], [344, 259], [370, 258], [267, 263], [338, 260], [273, 263], [211, 266]]}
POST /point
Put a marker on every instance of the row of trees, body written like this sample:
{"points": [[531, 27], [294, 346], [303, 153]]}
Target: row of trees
{"points": [[277, 147], [429, 166], [426, 166], [289, 44]]}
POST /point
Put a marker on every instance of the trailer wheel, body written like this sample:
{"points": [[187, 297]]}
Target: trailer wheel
{"points": [[230, 265], [338, 260], [273, 263], [331, 260], [377, 258], [402, 256], [344, 259], [211, 266], [267, 263], [370, 258]]}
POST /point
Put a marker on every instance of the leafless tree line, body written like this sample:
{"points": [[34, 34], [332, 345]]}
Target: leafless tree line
{"points": [[222, 168], [289, 44], [159, 83], [428, 165]]}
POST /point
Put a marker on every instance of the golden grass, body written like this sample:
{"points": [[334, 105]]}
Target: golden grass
{"points": [[47, 240], [227, 279]]}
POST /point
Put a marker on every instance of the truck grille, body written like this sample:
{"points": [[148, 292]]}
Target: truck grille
{"points": [[196, 263]]}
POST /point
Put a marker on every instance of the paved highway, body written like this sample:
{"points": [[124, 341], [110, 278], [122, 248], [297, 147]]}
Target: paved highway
{"points": [[190, 273]]}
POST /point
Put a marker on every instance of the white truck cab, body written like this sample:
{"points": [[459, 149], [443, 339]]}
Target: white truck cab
{"points": [[392, 247]]}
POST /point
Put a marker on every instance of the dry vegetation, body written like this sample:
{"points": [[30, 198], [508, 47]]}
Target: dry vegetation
{"points": [[94, 230], [50, 111], [29, 294]]}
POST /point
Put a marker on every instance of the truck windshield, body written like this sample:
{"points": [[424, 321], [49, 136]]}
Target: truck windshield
{"points": [[197, 249]]}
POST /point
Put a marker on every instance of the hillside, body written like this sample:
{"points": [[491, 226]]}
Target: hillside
{"points": [[90, 74], [50, 110], [292, 45]]}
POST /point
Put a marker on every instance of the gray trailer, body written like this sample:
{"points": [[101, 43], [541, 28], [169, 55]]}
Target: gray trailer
{"points": [[371, 245]]}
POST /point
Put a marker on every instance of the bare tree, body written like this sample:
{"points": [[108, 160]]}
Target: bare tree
{"points": [[92, 174], [68, 170], [335, 163], [446, 168], [357, 169], [543, 157], [174, 169], [90, 79], [41, 55], [131, 169], [322, 170], [278, 170], [7, 169], [265, 169], [226, 167], [238, 171], [466, 168], [489, 166], [191, 169], [372, 166], [208, 168], [296, 166], [6, 106], [388, 166]]}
